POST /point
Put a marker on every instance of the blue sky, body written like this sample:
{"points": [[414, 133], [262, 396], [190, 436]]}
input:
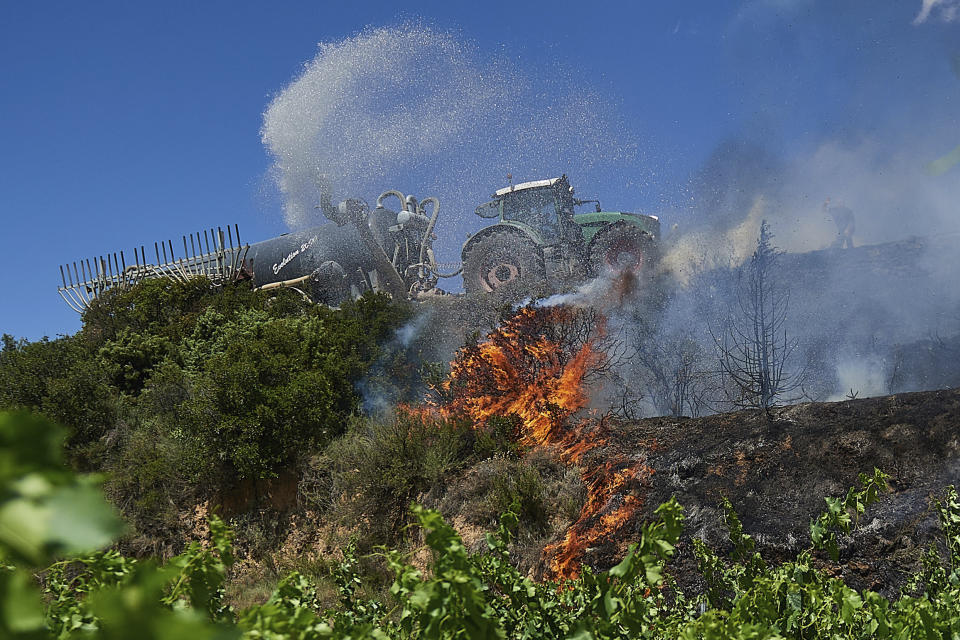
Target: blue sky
{"points": [[123, 123]]}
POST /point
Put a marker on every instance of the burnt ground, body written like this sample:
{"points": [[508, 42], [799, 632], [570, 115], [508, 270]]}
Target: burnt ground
{"points": [[776, 471]]}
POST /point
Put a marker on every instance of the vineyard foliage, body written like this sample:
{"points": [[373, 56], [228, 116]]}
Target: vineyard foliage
{"points": [[87, 592]]}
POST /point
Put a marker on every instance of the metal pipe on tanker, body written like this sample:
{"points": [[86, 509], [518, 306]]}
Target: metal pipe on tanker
{"points": [[392, 192], [356, 212], [430, 225]]}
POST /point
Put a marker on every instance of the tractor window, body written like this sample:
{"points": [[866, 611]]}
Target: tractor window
{"points": [[536, 207], [489, 210]]}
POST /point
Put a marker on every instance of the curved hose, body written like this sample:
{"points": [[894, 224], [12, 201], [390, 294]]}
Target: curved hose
{"points": [[392, 192], [426, 236]]}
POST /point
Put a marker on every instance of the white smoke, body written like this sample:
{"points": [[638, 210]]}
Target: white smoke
{"points": [[862, 377], [887, 183], [897, 185], [945, 10]]}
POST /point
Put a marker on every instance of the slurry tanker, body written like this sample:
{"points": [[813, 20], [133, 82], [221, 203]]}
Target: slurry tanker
{"points": [[536, 237]]}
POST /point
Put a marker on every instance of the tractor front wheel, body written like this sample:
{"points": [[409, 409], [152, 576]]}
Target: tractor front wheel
{"points": [[500, 260], [622, 247]]}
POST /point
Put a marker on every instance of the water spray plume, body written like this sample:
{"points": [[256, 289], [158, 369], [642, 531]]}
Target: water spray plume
{"points": [[411, 105]]}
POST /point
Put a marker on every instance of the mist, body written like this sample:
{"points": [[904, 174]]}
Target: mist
{"points": [[420, 110]]}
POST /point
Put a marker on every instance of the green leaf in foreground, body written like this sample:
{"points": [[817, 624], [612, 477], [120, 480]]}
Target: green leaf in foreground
{"points": [[45, 509]]}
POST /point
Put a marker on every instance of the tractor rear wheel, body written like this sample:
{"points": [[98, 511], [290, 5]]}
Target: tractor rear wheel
{"points": [[622, 247], [499, 260]]}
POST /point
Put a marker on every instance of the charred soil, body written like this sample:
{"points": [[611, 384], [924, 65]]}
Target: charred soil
{"points": [[777, 469]]}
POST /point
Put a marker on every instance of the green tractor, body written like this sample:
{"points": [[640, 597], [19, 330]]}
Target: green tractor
{"points": [[538, 238]]}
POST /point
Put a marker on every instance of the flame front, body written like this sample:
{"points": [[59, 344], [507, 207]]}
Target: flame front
{"points": [[535, 367], [519, 370]]}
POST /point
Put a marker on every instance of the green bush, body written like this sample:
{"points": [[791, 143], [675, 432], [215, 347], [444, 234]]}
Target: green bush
{"points": [[60, 379], [82, 399], [523, 491], [26, 368], [381, 465], [546, 495], [130, 358], [280, 390], [156, 306]]}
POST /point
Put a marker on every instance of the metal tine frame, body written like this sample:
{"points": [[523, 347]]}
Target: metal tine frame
{"points": [[221, 262]]}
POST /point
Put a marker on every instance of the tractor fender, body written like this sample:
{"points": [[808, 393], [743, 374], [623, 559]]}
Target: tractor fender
{"points": [[592, 224], [614, 228], [523, 232]]}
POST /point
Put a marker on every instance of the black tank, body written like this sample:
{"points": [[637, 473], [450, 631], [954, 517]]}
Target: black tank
{"points": [[336, 255]]}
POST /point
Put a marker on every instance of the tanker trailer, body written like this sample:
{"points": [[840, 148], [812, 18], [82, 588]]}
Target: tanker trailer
{"points": [[361, 250], [325, 263]]}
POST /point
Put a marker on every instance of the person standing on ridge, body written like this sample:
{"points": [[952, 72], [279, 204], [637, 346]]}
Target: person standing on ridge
{"points": [[843, 218]]}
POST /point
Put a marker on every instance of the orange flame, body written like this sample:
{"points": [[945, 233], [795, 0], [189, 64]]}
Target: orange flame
{"points": [[534, 367], [519, 370]]}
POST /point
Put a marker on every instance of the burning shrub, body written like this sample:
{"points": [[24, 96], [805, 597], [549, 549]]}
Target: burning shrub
{"points": [[532, 367], [536, 367]]}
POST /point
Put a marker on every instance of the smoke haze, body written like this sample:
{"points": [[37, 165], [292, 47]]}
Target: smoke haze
{"points": [[411, 107]]}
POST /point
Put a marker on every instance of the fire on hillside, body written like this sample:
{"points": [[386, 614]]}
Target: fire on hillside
{"points": [[536, 366]]}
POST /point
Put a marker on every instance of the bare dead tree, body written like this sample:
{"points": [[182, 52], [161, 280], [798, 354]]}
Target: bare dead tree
{"points": [[675, 370], [623, 397], [755, 354]]}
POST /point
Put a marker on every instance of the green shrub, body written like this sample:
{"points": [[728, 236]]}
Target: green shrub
{"points": [[82, 399], [524, 491], [130, 358], [381, 465], [268, 397], [544, 493], [156, 305], [27, 367], [498, 437], [148, 477], [63, 381]]}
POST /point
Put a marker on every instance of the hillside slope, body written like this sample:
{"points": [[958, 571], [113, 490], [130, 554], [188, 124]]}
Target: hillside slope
{"points": [[776, 471]]}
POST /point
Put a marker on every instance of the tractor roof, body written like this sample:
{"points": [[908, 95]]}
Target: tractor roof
{"points": [[527, 185]]}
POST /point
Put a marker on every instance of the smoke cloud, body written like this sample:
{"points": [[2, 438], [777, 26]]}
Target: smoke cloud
{"points": [[945, 10]]}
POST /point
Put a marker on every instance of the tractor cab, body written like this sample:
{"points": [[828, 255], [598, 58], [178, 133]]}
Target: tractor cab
{"points": [[542, 206], [537, 238]]}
